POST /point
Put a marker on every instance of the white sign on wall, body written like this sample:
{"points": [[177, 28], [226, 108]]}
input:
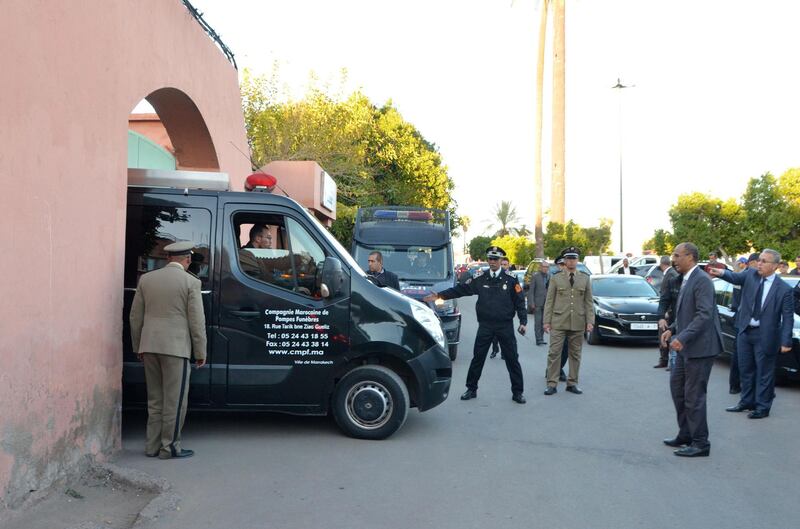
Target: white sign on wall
{"points": [[328, 192]]}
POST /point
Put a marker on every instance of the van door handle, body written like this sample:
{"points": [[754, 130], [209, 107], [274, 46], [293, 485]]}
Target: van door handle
{"points": [[245, 314]]}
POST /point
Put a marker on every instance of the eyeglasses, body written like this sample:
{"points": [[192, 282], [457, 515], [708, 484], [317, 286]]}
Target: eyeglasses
{"points": [[766, 262]]}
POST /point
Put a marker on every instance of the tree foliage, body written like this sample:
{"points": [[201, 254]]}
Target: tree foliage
{"points": [[772, 212], [477, 247], [519, 250], [591, 241], [710, 223], [662, 242], [373, 154], [505, 215]]}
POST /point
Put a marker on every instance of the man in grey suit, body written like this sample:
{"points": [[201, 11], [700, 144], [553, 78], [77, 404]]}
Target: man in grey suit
{"points": [[696, 337], [764, 324], [168, 325], [537, 295]]}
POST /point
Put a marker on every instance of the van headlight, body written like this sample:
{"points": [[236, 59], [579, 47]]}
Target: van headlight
{"points": [[445, 306], [428, 319]]}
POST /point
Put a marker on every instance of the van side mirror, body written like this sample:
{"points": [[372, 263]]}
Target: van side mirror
{"points": [[332, 277]]}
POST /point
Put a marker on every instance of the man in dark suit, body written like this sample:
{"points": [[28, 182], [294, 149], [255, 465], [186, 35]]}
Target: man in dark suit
{"points": [[696, 337], [537, 295], [668, 296], [625, 269], [764, 324], [379, 275]]}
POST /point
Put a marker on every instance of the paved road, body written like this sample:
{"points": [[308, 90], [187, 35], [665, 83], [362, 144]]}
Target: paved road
{"points": [[566, 461]]}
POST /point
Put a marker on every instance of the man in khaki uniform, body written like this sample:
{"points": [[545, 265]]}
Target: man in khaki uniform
{"points": [[167, 326], [568, 313]]}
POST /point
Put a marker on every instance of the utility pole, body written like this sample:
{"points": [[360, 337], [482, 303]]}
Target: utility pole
{"points": [[619, 87]]}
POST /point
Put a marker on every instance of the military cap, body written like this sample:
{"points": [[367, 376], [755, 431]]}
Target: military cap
{"points": [[571, 252], [495, 252], [179, 248]]}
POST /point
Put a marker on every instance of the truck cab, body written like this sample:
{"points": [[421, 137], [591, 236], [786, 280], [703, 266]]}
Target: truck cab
{"points": [[416, 246], [294, 327]]}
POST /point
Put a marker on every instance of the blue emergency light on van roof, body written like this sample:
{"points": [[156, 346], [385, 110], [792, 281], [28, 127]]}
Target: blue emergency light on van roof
{"points": [[389, 214]]}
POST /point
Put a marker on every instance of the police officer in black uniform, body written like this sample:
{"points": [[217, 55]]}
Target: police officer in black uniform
{"points": [[499, 297]]}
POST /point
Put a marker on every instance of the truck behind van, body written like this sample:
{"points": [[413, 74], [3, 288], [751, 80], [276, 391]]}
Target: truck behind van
{"points": [[294, 328], [416, 245]]}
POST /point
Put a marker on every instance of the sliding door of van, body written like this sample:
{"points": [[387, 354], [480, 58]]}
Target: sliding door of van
{"points": [[283, 338]]}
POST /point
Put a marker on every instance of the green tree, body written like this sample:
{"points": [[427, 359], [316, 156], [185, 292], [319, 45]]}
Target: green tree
{"points": [[662, 242], [559, 236], [477, 247], [505, 215], [710, 223], [598, 238], [772, 212], [519, 250], [373, 154]]}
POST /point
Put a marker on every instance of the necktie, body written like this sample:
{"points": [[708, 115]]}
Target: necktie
{"points": [[757, 303], [571, 279]]}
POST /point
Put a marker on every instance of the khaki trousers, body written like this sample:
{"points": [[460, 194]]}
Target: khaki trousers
{"points": [[574, 344], [167, 380]]}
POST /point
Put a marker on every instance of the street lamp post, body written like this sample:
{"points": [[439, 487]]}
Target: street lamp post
{"points": [[619, 87]]}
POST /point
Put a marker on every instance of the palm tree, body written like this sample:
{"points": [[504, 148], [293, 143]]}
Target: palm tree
{"points": [[506, 215], [522, 231], [537, 180], [559, 93]]}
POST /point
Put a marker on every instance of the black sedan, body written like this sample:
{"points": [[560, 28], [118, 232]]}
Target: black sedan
{"points": [[787, 366], [625, 308]]}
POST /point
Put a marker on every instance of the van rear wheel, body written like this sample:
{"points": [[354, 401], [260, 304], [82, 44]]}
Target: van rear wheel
{"points": [[370, 402]]}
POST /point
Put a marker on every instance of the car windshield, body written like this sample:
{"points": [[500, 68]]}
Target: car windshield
{"points": [[416, 263], [622, 287]]}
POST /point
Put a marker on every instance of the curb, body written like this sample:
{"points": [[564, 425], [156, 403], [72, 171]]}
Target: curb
{"points": [[164, 501]]}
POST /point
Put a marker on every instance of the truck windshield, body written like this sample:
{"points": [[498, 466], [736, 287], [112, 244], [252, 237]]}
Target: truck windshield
{"points": [[415, 263]]}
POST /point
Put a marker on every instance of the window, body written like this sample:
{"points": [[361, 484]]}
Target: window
{"points": [[150, 228], [279, 251]]}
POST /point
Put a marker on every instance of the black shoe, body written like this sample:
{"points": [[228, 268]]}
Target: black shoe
{"points": [[519, 398], [551, 390], [660, 364], [676, 442], [176, 454], [693, 451], [541, 343], [735, 391], [151, 455], [575, 389], [469, 394], [494, 353], [739, 408], [758, 414], [562, 377]]}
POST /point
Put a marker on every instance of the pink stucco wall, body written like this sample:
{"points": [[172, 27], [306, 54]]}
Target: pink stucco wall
{"points": [[72, 72]]}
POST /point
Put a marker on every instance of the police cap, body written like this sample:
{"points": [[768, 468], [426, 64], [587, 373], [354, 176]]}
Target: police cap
{"points": [[179, 248], [571, 252], [495, 252]]}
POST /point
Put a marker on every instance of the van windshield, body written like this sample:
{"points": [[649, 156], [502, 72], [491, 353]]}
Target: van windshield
{"points": [[410, 263], [344, 254]]}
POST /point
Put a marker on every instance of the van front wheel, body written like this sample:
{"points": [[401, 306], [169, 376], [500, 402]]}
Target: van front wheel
{"points": [[370, 402]]}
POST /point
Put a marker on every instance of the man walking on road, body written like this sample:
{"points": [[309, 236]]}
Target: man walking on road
{"points": [[764, 323], [696, 337], [168, 325], [568, 314], [537, 295], [499, 297]]}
